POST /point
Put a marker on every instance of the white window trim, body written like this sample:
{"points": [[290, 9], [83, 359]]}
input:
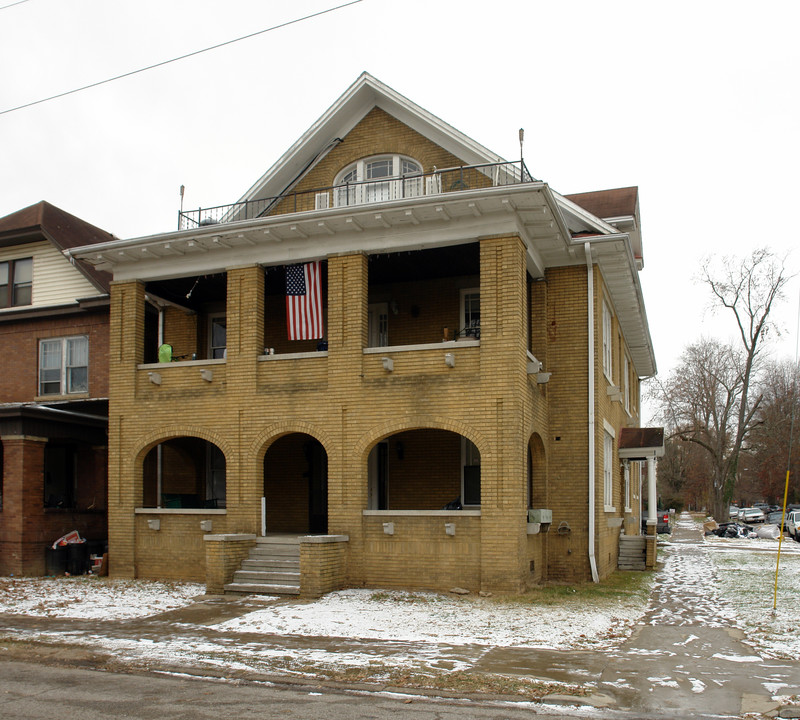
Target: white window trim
{"points": [[609, 434], [462, 312], [63, 390], [627, 497], [626, 382], [608, 355], [210, 350], [388, 188]]}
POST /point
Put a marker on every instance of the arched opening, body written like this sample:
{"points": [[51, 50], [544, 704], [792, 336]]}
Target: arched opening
{"points": [[424, 469], [296, 485], [184, 472], [537, 473]]}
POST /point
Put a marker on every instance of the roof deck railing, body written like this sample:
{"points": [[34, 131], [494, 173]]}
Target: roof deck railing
{"points": [[448, 180]]}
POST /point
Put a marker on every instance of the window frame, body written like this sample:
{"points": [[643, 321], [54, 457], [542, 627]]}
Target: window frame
{"points": [[12, 286], [466, 327], [626, 382], [65, 369], [379, 188], [608, 467], [608, 351], [213, 319]]}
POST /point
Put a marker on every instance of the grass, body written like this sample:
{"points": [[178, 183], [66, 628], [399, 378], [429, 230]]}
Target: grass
{"points": [[632, 585]]}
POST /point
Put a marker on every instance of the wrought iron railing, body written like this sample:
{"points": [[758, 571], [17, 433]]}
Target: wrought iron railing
{"points": [[448, 180]]}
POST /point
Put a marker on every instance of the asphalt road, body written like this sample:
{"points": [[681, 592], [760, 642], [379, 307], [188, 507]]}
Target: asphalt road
{"points": [[41, 692]]}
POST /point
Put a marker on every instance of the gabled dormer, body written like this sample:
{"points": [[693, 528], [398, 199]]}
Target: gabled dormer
{"points": [[34, 273]]}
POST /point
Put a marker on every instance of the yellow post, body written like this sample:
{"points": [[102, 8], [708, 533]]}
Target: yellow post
{"points": [[780, 542]]}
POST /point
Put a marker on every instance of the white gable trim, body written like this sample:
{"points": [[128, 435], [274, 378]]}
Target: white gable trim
{"points": [[340, 118]]}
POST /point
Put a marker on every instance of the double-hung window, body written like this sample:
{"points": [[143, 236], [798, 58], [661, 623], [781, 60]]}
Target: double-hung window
{"points": [[64, 365], [607, 350], [608, 468], [16, 282]]}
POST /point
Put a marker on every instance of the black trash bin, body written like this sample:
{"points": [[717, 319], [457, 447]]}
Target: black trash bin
{"points": [[55, 560], [77, 558]]}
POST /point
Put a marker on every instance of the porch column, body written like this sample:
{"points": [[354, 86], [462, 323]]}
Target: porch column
{"points": [[651, 542], [126, 351], [651, 491], [23, 506]]}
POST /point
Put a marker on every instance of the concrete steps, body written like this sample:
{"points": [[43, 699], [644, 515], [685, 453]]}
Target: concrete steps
{"points": [[273, 568], [632, 552]]}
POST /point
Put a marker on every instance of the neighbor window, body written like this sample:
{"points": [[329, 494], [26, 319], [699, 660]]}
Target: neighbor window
{"points": [[607, 353], [64, 365], [16, 282]]}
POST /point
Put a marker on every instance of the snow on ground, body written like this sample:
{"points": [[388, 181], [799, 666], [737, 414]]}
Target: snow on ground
{"points": [[433, 617], [93, 597]]}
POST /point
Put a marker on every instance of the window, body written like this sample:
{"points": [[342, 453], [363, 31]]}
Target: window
{"points": [[607, 353], [471, 477], [378, 179], [64, 365], [626, 383], [608, 469], [378, 325], [470, 313], [16, 282], [627, 486], [217, 336]]}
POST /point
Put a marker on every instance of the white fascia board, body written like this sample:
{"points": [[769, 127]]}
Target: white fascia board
{"points": [[647, 364], [341, 117], [376, 240], [584, 215]]}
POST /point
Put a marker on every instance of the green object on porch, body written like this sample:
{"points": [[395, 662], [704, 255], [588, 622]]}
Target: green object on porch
{"points": [[165, 353]]}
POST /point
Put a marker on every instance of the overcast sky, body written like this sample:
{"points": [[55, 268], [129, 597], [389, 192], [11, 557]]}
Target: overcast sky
{"points": [[694, 102]]}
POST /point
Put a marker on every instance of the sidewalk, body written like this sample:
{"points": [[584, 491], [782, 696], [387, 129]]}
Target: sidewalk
{"points": [[683, 660]]}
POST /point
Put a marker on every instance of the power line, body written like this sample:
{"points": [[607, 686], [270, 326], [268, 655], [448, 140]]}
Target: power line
{"points": [[19, 2], [180, 57]]}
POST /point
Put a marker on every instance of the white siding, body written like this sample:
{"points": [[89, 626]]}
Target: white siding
{"points": [[55, 280]]}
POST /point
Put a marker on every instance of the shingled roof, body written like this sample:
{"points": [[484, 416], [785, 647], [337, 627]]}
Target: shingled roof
{"points": [[604, 204], [44, 221]]}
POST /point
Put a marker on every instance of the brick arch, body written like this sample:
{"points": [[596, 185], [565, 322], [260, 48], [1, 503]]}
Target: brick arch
{"points": [[258, 448], [170, 432], [537, 470], [421, 422]]}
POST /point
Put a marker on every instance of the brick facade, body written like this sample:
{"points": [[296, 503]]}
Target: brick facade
{"points": [[308, 420]]}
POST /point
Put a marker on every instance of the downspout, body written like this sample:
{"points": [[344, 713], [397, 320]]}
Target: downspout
{"points": [[590, 307], [159, 447]]}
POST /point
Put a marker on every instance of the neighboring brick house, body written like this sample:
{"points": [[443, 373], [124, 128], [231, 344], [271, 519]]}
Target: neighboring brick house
{"points": [[53, 386], [457, 424]]}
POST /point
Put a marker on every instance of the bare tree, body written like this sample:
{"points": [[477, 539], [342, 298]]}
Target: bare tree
{"points": [[711, 398], [747, 287]]}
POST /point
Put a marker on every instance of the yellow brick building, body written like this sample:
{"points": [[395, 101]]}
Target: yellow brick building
{"points": [[457, 422]]}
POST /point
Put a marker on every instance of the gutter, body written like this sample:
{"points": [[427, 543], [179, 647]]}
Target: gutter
{"points": [[587, 248]]}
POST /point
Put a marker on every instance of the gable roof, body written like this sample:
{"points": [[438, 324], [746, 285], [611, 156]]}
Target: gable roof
{"points": [[44, 221], [366, 93]]}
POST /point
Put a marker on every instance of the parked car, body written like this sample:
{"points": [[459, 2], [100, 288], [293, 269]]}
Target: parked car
{"points": [[733, 512], [792, 522], [751, 515], [662, 522], [774, 518]]}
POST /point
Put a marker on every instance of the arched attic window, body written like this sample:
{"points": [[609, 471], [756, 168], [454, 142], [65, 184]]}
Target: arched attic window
{"points": [[378, 178]]}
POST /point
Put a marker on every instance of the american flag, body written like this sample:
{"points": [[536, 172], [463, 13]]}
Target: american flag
{"points": [[304, 301]]}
